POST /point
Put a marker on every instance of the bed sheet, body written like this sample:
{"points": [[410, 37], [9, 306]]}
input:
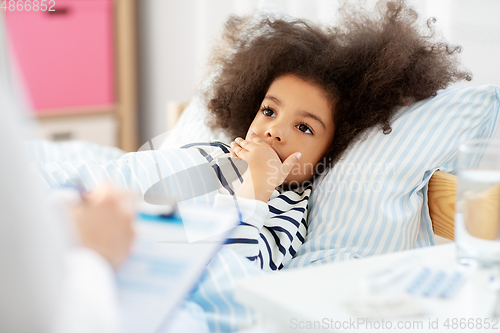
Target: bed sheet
{"points": [[70, 163]]}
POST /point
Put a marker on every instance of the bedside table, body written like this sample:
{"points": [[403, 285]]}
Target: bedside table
{"points": [[293, 298]]}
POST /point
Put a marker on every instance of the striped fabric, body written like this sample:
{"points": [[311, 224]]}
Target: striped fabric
{"points": [[215, 292], [72, 163], [84, 164], [47, 151], [270, 235], [375, 199], [277, 229]]}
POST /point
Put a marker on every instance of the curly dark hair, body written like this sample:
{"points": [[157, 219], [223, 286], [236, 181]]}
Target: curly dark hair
{"points": [[368, 65]]}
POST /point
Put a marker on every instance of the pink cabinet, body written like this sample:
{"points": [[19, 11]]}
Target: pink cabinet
{"points": [[65, 57]]}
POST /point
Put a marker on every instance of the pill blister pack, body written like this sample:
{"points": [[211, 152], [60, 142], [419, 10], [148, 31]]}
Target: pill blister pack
{"points": [[415, 279], [398, 290], [436, 283]]}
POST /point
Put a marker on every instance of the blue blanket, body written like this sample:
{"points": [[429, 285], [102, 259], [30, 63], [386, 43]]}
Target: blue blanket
{"points": [[88, 164]]}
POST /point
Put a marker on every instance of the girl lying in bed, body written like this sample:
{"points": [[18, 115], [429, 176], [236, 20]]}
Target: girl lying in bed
{"points": [[295, 96]]}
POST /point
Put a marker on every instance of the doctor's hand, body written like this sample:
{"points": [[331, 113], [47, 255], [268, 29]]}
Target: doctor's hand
{"points": [[104, 220]]}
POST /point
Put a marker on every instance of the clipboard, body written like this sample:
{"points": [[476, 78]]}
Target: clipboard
{"points": [[165, 263]]}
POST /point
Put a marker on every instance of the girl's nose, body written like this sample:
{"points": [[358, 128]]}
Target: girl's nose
{"points": [[274, 133]]}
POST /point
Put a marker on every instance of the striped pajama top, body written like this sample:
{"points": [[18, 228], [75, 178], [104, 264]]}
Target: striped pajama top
{"points": [[268, 234]]}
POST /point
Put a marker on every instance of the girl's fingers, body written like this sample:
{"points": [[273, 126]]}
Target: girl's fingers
{"points": [[244, 143], [233, 154], [253, 137], [238, 150]]}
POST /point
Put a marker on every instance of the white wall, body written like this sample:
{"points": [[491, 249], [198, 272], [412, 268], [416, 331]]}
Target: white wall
{"points": [[475, 25], [165, 60], [175, 38]]}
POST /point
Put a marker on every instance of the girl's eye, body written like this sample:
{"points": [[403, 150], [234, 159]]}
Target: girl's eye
{"points": [[268, 112], [304, 128]]}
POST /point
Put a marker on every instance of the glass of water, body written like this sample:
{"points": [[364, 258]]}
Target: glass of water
{"points": [[477, 210]]}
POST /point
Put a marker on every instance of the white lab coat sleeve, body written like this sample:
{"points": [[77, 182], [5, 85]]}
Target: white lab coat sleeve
{"points": [[89, 299], [41, 289]]}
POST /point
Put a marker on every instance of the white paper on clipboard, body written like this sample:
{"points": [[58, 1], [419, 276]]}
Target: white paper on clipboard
{"points": [[164, 266]]}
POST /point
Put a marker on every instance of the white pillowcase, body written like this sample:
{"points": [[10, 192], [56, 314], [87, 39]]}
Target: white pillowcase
{"points": [[374, 200], [191, 127]]}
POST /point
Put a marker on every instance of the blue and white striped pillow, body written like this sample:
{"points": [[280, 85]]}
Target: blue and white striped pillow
{"points": [[375, 199]]}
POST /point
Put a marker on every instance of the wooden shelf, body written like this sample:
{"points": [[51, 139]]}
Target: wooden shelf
{"points": [[126, 69]]}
